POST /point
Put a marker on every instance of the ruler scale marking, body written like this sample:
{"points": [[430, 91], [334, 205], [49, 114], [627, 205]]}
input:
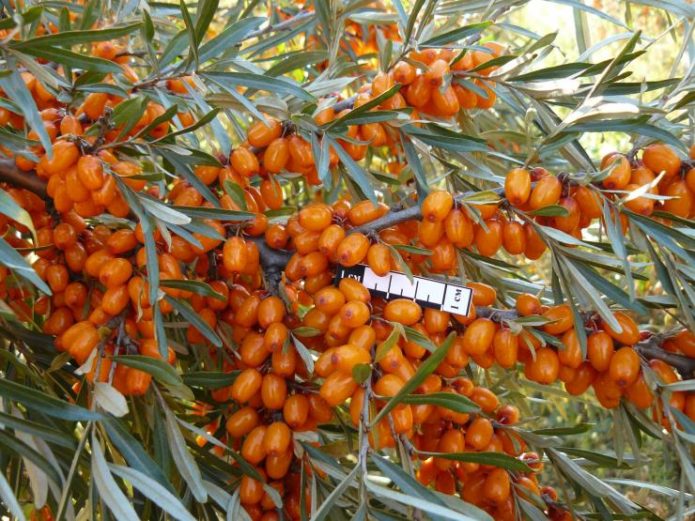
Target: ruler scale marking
{"points": [[435, 294]]}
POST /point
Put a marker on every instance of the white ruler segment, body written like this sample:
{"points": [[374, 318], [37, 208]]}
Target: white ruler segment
{"points": [[435, 294]]}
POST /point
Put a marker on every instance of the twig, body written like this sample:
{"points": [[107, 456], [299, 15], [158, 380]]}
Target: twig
{"points": [[651, 350], [282, 26], [9, 173]]}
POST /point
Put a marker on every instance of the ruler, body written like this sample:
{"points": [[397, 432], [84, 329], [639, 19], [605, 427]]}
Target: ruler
{"points": [[445, 296]]}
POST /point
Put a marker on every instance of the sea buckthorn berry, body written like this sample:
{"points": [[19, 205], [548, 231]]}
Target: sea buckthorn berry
{"points": [[681, 200], [513, 237], [483, 294], [244, 161], [619, 171], [270, 310], [639, 393], [247, 384], [253, 449], [437, 206], [478, 336], [485, 399], [600, 350], [497, 486], [354, 314], [90, 172], [296, 410], [629, 334], [459, 229], [379, 259], [488, 239], [261, 135], [242, 422], [661, 158], [352, 249], [479, 433], [277, 439], [560, 317], [571, 354], [624, 366], [365, 211], [273, 391], [115, 272], [337, 388], [276, 155], [403, 311], [330, 238], [505, 346], [545, 368], [547, 192], [316, 217], [517, 186]]}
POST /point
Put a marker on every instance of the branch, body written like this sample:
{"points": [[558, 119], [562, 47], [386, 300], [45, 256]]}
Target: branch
{"points": [[652, 350], [9, 173], [388, 220], [413, 212]]}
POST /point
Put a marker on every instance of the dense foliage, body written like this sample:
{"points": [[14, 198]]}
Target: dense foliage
{"points": [[181, 183]]}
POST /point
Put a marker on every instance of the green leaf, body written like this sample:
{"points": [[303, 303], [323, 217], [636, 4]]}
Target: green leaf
{"points": [[229, 37], [554, 210], [219, 214], [10, 500], [565, 431], [23, 446], [413, 249], [17, 91], [46, 433], [383, 348], [425, 369], [410, 485], [335, 495], [49, 405], [413, 335], [361, 372], [190, 29], [74, 60], [195, 286], [164, 212], [68, 38], [133, 452], [183, 459], [412, 19], [159, 369], [281, 86], [433, 509], [11, 209], [109, 491], [127, 113], [355, 172], [304, 354], [209, 379], [298, 60], [440, 138], [456, 35], [234, 191], [204, 15], [590, 483], [187, 312], [451, 401], [362, 109], [414, 161], [495, 459], [153, 491]]}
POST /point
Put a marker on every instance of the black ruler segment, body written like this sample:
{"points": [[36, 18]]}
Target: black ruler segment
{"points": [[434, 294]]}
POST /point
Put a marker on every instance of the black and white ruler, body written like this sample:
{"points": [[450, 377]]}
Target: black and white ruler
{"points": [[435, 294]]}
